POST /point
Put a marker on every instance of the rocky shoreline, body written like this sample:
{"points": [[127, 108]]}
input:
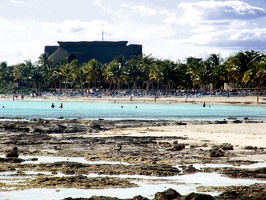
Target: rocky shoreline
{"points": [[160, 156]]}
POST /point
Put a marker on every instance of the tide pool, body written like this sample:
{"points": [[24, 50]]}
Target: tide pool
{"points": [[128, 110]]}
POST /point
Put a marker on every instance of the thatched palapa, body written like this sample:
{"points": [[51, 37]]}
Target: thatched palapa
{"points": [[103, 51]]}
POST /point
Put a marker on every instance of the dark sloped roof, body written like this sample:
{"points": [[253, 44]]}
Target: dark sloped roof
{"points": [[59, 55], [103, 51], [83, 45], [50, 49]]}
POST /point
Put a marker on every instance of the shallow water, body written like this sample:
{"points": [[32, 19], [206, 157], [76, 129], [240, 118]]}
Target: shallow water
{"points": [[129, 110], [183, 184], [259, 164], [52, 159]]}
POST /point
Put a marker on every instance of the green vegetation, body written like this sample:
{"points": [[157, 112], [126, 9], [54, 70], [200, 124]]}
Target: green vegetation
{"points": [[246, 69]]}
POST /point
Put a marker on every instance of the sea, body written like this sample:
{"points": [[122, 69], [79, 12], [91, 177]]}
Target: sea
{"points": [[30, 109]]}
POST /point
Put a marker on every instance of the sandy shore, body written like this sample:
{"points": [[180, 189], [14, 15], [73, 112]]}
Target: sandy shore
{"points": [[160, 99]]}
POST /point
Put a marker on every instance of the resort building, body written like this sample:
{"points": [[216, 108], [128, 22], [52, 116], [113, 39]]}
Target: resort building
{"points": [[83, 51]]}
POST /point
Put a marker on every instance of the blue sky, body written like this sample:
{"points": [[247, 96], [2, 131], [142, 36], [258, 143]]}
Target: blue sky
{"points": [[171, 29]]}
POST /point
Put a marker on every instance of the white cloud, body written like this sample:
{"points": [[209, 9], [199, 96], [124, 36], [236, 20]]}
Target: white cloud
{"points": [[170, 18], [221, 23], [218, 10], [141, 10], [188, 28], [3, 24], [82, 30], [17, 1], [18, 27], [98, 2], [18, 52], [250, 34]]}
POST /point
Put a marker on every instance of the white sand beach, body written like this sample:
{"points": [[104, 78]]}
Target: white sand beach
{"points": [[161, 99]]}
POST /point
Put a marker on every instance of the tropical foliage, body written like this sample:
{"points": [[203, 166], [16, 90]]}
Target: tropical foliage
{"points": [[246, 69]]}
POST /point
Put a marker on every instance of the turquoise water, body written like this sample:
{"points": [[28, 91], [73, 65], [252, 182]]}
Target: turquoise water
{"points": [[119, 110]]}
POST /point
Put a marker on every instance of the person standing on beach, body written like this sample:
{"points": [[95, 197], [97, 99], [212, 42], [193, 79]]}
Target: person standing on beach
{"points": [[258, 99], [14, 94]]}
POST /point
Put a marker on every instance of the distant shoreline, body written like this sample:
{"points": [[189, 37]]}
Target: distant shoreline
{"points": [[247, 100]]}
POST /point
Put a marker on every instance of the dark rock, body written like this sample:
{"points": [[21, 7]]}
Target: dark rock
{"points": [[181, 123], [237, 121], [195, 196], [232, 195], [227, 146], [38, 130], [217, 152], [96, 126], [12, 160], [220, 122], [252, 192], [139, 197], [177, 147], [13, 153], [250, 147], [168, 194], [189, 169], [101, 198]]}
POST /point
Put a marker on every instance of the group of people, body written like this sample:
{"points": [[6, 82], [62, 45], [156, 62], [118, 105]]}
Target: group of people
{"points": [[53, 106]]}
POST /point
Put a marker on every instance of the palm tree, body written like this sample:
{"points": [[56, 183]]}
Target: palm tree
{"points": [[183, 79], [202, 72], [240, 63], [217, 71], [260, 75], [133, 72], [37, 77], [67, 72], [255, 76], [45, 62], [93, 72], [169, 73], [23, 73], [195, 70], [3, 69], [155, 75], [114, 73], [147, 63]]}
